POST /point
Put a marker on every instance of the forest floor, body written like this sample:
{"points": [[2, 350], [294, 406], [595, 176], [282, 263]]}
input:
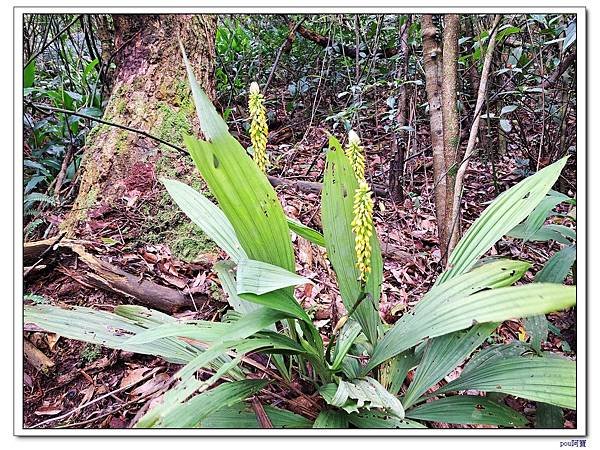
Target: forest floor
{"points": [[94, 387]]}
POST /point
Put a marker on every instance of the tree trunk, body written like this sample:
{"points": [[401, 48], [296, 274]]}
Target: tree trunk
{"points": [[451, 123], [432, 58], [119, 192]]}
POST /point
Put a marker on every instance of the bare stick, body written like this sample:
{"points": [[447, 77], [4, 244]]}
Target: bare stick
{"points": [[460, 174]]}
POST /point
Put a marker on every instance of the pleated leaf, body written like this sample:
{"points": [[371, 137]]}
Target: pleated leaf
{"points": [[442, 355], [467, 409], [104, 328], [241, 415], [331, 419], [502, 215], [375, 419], [544, 379], [555, 270], [191, 413], [257, 277], [427, 319], [497, 305], [207, 216], [337, 214], [548, 416]]}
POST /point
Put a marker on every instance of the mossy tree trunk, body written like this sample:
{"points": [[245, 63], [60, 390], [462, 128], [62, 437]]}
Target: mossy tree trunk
{"points": [[120, 169]]}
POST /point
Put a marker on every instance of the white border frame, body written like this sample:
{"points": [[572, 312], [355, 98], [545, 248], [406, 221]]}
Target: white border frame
{"points": [[582, 353]]}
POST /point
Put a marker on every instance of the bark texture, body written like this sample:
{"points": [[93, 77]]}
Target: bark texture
{"points": [[149, 92], [451, 122], [432, 58]]}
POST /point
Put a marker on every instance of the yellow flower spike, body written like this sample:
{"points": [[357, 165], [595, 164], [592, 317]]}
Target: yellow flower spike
{"points": [[355, 154], [259, 130], [362, 226]]}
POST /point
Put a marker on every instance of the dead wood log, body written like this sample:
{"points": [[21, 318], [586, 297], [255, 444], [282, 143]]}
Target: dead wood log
{"points": [[145, 292], [314, 187], [36, 357]]}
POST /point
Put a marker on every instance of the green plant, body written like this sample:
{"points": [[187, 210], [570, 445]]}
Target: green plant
{"points": [[360, 369]]}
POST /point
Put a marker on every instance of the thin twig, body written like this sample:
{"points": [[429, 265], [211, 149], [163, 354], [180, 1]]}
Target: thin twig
{"points": [[56, 36]]}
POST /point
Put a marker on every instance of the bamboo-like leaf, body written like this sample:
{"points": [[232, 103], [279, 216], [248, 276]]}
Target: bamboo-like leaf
{"points": [[543, 379], [375, 419], [257, 277], [416, 325], [191, 413], [452, 314], [467, 409], [331, 419], [337, 214], [306, 232], [442, 355], [543, 234], [207, 216], [503, 214]]}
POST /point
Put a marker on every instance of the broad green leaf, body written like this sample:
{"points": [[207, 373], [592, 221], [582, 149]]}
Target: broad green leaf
{"points": [[29, 75], [442, 355], [375, 419], [548, 416], [555, 270], [337, 214], [394, 372], [246, 197], [209, 332], [445, 315], [467, 409], [500, 217], [191, 413], [207, 216], [331, 419], [257, 277], [416, 325], [365, 393], [241, 415], [225, 271], [538, 216], [543, 379], [543, 234], [107, 329], [212, 124], [306, 232], [348, 334]]}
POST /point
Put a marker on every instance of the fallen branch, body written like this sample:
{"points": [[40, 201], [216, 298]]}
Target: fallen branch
{"points": [[342, 49], [113, 279], [36, 357], [314, 187]]}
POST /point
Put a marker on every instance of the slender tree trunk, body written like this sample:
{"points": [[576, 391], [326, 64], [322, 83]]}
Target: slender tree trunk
{"points": [[481, 94], [432, 58], [451, 122], [119, 172], [396, 177]]}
